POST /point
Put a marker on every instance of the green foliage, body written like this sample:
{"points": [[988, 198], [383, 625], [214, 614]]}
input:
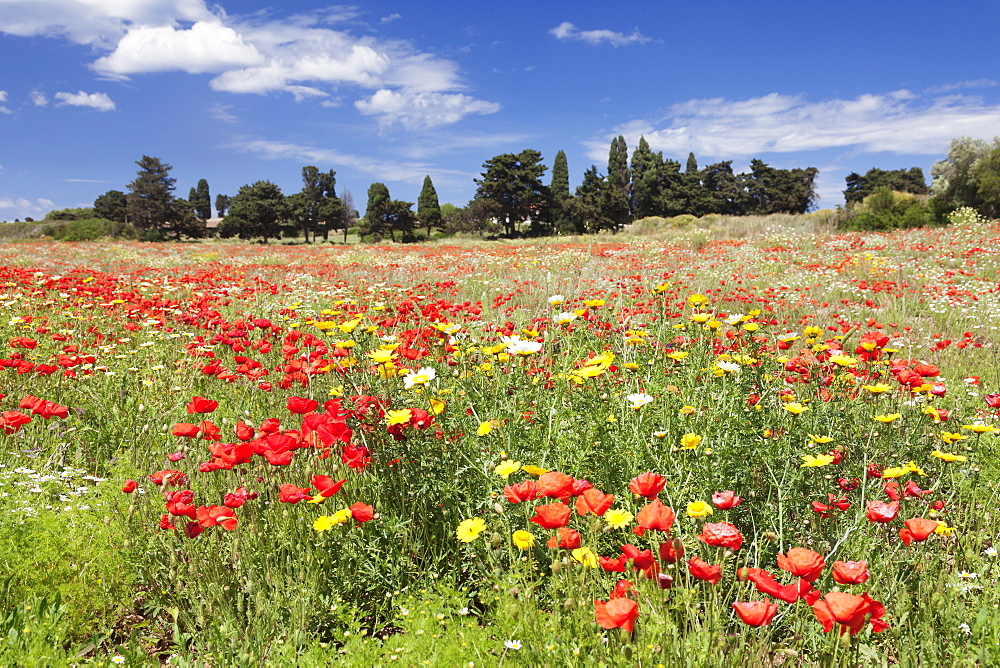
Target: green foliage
{"points": [[317, 209], [886, 209], [201, 201], [901, 180], [256, 211], [512, 191], [69, 214], [91, 229], [428, 206], [222, 204], [150, 197], [112, 205]]}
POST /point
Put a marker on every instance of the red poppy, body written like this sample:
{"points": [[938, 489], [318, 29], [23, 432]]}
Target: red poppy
{"points": [[704, 570], [850, 572], [523, 491], [555, 485], [913, 490], [201, 405], [301, 405], [594, 501], [647, 484], [165, 523], [755, 613], [623, 588], [882, 512], [12, 421], [185, 430], [992, 400], [802, 562], [655, 516], [325, 486], [179, 503], [209, 516], [927, 370], [617, 613], [721, 534], [193, 529], [169, 477], [238, 497], [566, 538], [641, 560], [766, 584], [613, 565], [917, 529], [244, 432], [130, 486], [288, 493], [849, 611], [551, 516], [891, 490], [362, 512], [726, 500], [671, 551]]}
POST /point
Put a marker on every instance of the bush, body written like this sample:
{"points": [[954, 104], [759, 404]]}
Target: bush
{"points": [[886, 209]]}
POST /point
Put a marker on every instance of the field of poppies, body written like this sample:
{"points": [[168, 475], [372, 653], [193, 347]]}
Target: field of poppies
{"points": [[773, 450]]}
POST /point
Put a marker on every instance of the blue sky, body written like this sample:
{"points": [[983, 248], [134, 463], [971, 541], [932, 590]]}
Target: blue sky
{"points": [[242, 91]]}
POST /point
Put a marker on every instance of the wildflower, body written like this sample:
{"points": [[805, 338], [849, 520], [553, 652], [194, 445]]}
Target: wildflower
{"points": [[556, 485], [401, 416], [877, 388], [524, 491], [820, 440], [618, 518], [512, 644], [382, 356], [721, 534], [725, 366], [755, 613], [795, 408], [816, 461], [850, 572], [726, 500], [617, 613], [419, 378], [655, 516], [887, 418], [327, 522], [564, 318], [523, 540], [556, 300], [690, 441], [704, 571], [943, 529], [469, 530], [911, 467], [520, 347], [951, 437], [948, 456], [130, 486], [288, 493], [647, 484], [638, 400], [301, 405], [980, 428], [843, 360], [118, 659], [534, 470], [505, 468], [699, 509], [678, 356], [594, 501], [882, 512], [201, 405], [849, 611], [802, 562], [551, 516], [585, 557], [484, 428], [990, 552], [687, 410], [361, 512]]}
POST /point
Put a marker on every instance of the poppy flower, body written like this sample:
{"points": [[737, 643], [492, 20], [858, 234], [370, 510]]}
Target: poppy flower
{"points": [[655, 516], [755, 613], [130, 486], [721, 534], [551, 516], [704, 570], [917, 529], [849, 611], [12, 421], [647, 484], [617, 613], [882, 512], [201, 405], [671, 551], [623, 588], [362, 512], [238, 497], [325, 486], [209, 516], [193, 529], [850, 572], [301, 405], [555, 485], [613, 565], [185, 430], [594, 501], [165, 523], [802, 562], [640, 559], [523, 491], [288, 493], [169, 477], [566, 538], [726, 500], [766, 584], [244, 432]]}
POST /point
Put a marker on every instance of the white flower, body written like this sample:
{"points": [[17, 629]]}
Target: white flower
{"points": [[990, 552], [512, 644], [964, 628], [638, 400], [420, 377], [556, 300], [564, 318], [728, 366], [523, 347], [734, 319], [118, 658]]}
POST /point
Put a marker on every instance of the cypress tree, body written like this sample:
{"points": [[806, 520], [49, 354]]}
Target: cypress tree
{"points": [[560, 176], [428, 206]]}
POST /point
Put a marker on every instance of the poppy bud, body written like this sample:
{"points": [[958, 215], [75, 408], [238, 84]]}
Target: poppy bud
{"points": [[771, 536]]}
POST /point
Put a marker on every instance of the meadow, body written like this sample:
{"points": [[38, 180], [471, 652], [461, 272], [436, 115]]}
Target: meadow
{"points": [[769, 445]]}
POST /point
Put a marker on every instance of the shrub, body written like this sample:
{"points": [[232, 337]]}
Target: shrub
{"points": [[886, 209]]}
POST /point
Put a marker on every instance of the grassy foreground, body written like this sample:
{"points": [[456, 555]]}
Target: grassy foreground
{"points": [[777, 450]]}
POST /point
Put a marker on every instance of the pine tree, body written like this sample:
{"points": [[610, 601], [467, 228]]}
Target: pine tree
{"points": [[618, 205], [201, 200], [151, 195], [645, 165], [428, 206], [692, 164]]}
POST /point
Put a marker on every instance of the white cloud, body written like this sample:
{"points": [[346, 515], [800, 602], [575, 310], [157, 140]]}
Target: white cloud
{"points": [[394, 170], [207, 46], [568, 31], [99, 101], [3, 98], [19, 207], [896, 122], [977, 83], [422, 110], [222, 113], [390, 18], [358, 64], [38, 98]]}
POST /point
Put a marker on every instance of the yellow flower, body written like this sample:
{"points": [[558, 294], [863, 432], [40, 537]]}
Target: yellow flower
{"points": [[699, 509], [948, 456], [593, 303], [506, 467], [484, 428], [618, 518], [690, 441], [943, 529], [661, 288], [751, 327], [701, 318], [523, 540], [401, 416], [820, 440], [534, 470], [812, 331], [697, 300], [843, 360], [912, 467], [877, 388], [951, 437], [678, 355], [889, 417], [323, 523], [894, 472], [687, 410], [980, 428], [469, 530], [585, 556], [815, 461], [348, 327], [437, 406], [795, 408], [381, 356]]}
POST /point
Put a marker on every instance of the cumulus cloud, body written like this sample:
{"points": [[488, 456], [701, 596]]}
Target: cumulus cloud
{"points": [[3, 98], [896, 122], [422, 110], [19, 207], [207, 46], [568, 31], [99, 101], [38, 98]]}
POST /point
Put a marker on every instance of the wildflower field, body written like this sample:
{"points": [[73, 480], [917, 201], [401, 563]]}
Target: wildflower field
{"points": [[775, 450]]}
